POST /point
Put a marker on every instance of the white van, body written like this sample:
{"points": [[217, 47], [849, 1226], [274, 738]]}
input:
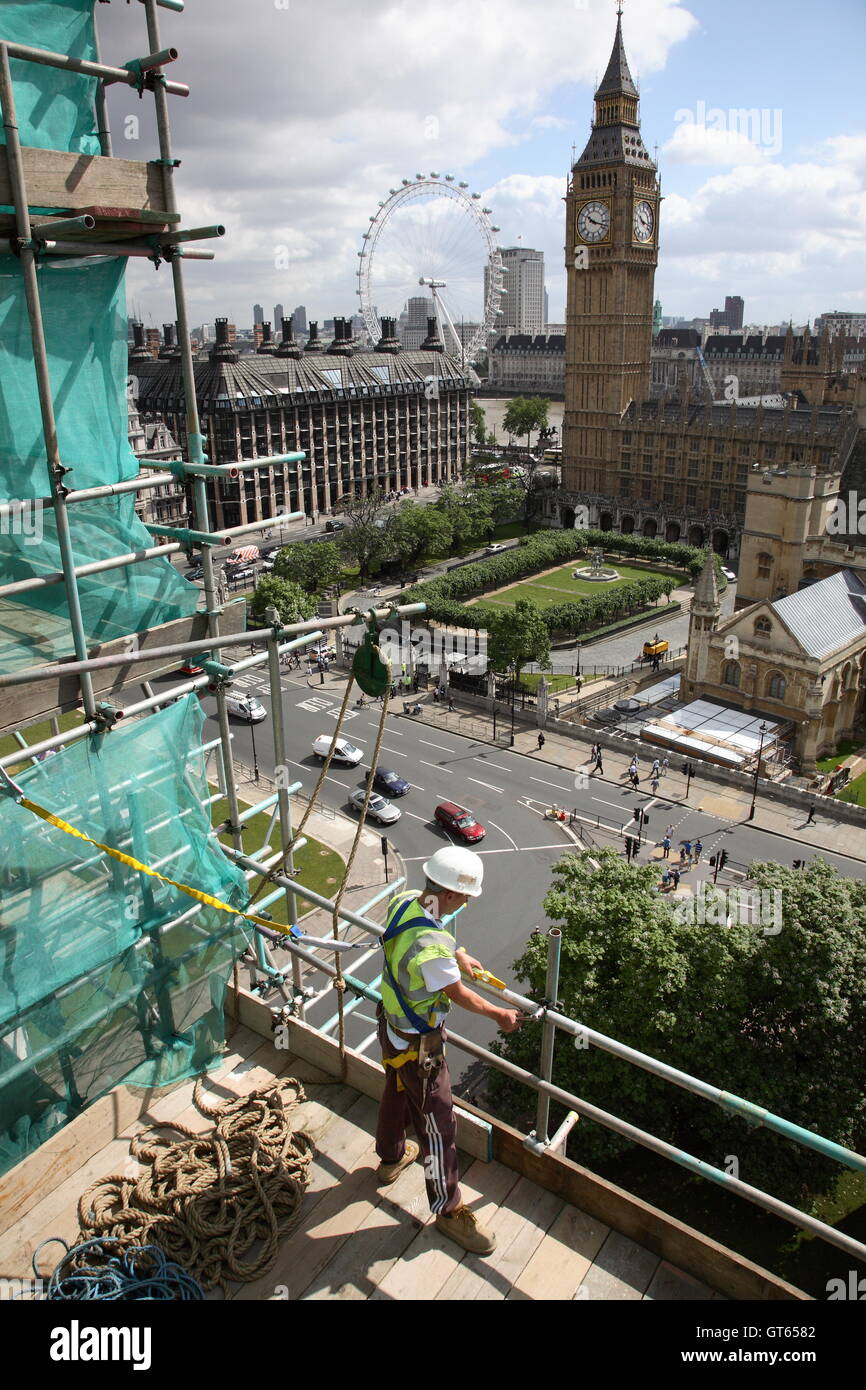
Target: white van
{"points": [[344, 751], [247, 707]]}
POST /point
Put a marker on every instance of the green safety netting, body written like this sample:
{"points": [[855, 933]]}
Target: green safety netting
{"points": [[84, 316], [55, 109], [83, 311], [95, 986]]}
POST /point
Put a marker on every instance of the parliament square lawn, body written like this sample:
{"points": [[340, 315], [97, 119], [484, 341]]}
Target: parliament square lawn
{"points": [[558, 586]]}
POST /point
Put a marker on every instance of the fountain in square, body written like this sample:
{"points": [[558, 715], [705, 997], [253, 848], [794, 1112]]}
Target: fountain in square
{"points": [[596, 572]]}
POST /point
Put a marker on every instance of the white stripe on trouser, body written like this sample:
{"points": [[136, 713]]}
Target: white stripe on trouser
{"points": [[435, 1171]]}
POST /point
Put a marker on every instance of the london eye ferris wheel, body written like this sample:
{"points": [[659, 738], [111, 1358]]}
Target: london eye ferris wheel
{"points": [[431, 237]]}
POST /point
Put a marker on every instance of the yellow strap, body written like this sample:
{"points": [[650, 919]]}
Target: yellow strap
{"points": [[136, 864], [400, 1060]]}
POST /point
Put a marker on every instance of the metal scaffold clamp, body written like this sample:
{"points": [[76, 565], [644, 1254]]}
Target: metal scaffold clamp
{"points": [[106, 716]]}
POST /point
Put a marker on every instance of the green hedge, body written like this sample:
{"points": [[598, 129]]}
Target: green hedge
{"points": [[443, 594]]}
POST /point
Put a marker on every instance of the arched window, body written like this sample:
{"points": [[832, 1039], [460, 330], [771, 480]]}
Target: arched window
{"points": [[765, 565], [763, 627], [776, 687], [732, 674]]}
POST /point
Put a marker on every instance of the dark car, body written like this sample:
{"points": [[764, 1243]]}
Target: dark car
{"points": [[335, 525], [461, 821], [388, 782]]}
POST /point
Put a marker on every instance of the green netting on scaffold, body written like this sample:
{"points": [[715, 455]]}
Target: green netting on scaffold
{"points": [[55, 108], [84, 314], [107, 974]]}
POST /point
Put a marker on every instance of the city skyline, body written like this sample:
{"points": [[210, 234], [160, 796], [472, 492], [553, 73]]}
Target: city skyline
{"points": [[771, 201]]}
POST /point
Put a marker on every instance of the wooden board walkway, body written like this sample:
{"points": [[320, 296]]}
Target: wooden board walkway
{"points": [[356, 1240]]}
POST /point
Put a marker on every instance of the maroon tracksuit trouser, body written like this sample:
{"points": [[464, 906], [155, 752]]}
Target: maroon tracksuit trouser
{"points": [[432, 1114]]}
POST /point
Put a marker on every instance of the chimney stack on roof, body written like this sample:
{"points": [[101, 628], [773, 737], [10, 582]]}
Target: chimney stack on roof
{"points": [[222, 350], [288, 347], [313, 344], [140, 350], [432, 343], [389, 342], [267, 345], [170, 348]]}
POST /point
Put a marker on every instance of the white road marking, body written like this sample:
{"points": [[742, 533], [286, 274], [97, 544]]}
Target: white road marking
{"points": [[436, 745], [396, 752], [484, 784], [416, 787], [392, 733], [425, 820], [437, 768], [499, 767], [518, 849], [549, 784], [505, 833]]}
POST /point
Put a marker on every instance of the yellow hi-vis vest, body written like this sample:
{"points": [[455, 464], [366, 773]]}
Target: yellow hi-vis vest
{"points": [[415, 938]]}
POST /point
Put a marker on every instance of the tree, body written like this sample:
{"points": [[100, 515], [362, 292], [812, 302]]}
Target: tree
{"points": [[477, 423], [518, 636], [292, 602], [316, 567], [525, 414], [364, 537], [772, 1012], [416, 531], [467, 513]]}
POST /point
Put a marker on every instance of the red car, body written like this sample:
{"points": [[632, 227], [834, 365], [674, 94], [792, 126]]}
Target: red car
{"points": [[461, 821]]}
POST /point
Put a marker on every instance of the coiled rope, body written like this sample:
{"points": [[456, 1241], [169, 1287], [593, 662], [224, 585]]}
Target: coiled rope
{"points": [[209, 1200], [109, 1270]]}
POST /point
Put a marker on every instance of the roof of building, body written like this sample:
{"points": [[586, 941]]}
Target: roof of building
{"points": [[678, 337], [617, 78], [827, 615], [525, 342], [250, 378], [707, 585]]}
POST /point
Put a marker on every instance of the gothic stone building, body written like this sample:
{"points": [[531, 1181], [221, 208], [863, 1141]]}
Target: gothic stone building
{"points": [[374, 418], [676, 468], [799, 659]]}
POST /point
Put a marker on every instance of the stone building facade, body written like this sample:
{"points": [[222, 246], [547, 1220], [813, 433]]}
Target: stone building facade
{"points": [[676, 468], [799, 660], [365, 419], [534, 365]]}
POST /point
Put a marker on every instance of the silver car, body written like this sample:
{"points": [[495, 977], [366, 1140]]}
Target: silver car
{"points": [[379, 809]]}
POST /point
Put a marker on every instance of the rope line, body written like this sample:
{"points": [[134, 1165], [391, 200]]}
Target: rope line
{"points": [[216, 1203], [108, 1270]]}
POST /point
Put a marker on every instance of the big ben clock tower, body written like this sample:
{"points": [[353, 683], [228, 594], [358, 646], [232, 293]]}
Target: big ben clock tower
{"points": [[611, 252]]}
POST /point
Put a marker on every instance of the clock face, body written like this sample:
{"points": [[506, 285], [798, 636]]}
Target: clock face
{"points": [[644, 221], [593, 222]]}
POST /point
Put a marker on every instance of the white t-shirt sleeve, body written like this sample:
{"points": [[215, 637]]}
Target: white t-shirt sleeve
{"points": [[440, 972]]}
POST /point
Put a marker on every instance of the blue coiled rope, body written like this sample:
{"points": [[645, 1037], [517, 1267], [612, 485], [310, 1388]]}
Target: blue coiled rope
{"points": [[108, 1269]]}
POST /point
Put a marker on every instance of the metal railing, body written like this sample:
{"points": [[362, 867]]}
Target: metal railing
{"points": [[581, 1035]]}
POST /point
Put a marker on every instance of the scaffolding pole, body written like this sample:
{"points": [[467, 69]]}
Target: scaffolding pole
{"points": [[56, 471]]}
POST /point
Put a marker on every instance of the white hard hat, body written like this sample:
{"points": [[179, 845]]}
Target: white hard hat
{"points": [[457, 869]]}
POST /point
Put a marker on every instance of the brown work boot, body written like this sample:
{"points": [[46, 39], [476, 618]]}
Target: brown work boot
{"points": [[461, 1225], [389, 1172]]}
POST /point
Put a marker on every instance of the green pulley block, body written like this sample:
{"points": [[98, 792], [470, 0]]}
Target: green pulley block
{"points": [[369, 670]]}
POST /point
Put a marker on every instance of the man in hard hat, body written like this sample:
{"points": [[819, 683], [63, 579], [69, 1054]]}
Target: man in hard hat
{"points": [[421, 978]]}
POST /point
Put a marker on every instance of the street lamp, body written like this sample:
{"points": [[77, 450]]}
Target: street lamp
{"points": [[688, 770], [255, 757], [513, 694], [762, 730]]}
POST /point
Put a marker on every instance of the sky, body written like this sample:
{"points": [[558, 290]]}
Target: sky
{"points": [[304, 113]]}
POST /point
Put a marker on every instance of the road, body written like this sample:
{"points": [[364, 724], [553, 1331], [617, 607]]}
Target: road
{"points": [[507, 792]]}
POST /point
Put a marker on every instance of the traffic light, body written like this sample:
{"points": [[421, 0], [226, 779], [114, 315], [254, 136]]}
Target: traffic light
{"points": [[712, 861], [723, 858], [798, 863]]}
